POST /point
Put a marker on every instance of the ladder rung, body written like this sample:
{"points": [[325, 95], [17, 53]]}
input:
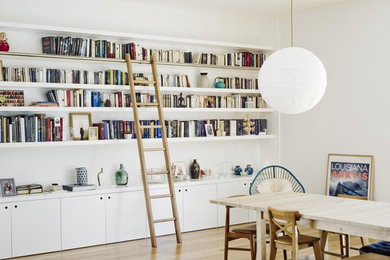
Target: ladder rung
{"points": [[157, 172], [154, 149], [160, 196], [150, 126], [144, 82], [163, 220], [147, 104]]}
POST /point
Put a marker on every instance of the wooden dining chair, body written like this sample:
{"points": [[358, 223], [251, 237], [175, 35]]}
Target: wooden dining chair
{"points": [[243, 231], [284, 234], [344, 239]]}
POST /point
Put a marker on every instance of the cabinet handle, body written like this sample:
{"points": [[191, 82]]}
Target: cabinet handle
{"points": [[16, 206], [179, 190], [186, 189], [6, 207], [101, 198], [244, 184], [109, 197]]}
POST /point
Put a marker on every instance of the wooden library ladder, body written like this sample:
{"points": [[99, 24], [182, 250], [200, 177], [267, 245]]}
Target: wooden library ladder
{"points": [[142, 150]]}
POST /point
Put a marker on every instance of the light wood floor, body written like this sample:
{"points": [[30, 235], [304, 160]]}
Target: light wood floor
{"points": [[204, 245]]}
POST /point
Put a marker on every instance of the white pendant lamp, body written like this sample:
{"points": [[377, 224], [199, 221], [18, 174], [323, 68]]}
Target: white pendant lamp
{"points": [[292, 80]]}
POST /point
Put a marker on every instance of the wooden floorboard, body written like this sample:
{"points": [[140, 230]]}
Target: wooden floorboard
{"points": [[202, 245]]}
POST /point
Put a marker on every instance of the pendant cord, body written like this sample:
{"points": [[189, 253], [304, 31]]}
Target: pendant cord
{"points": [[292, 24]]}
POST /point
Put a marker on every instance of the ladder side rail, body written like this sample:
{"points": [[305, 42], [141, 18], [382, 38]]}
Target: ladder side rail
{"points": [[166, 151]]}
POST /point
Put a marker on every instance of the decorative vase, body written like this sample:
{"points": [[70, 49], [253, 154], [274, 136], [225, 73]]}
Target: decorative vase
{"points": [[218, 83], [121, 176], [204, 80], [195, 170], [81, 175], [128, 136], [249, 169], [237, 170]]}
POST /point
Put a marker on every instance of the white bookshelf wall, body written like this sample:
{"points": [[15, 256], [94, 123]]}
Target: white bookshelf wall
{"points": [[47, 163]]}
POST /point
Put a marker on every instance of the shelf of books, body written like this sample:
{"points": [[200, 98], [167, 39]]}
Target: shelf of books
{"points": [[164, 89], [133, 141]]}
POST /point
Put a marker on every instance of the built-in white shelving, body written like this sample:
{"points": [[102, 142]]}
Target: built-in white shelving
{"points": [[133, 141]]}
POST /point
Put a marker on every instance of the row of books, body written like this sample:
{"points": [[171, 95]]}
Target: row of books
{"points": [[14, 98], [238, 59], [239, 83], [88, 98], [68, 46], [31, 128], [107, 77], [232, 101], [116, 129]]}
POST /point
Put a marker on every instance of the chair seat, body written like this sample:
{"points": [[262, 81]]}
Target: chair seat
{"points": [[302, 239], [248, 229], [381, 247]]}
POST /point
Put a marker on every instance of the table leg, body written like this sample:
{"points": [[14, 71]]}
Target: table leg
{"points": [[261, 254]]}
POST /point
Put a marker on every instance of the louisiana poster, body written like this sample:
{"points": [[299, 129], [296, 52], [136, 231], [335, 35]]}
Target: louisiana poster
{"points": [[350, 175]]}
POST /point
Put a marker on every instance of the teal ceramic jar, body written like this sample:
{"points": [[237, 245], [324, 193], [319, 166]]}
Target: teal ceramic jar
{"points": [[121, 176]]}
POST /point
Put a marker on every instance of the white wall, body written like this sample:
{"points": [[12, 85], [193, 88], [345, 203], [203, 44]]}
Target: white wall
{"points": [[48, 165], [352, 40]]}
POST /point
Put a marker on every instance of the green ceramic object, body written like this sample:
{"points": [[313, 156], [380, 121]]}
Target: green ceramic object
{"points": [[121, 176]]}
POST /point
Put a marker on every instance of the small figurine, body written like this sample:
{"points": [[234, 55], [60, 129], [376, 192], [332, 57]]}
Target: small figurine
{"points": [[98, 176], [4, 46], [248, 125], [237, 170], [249, 169], [81, 134], [181, 102]]}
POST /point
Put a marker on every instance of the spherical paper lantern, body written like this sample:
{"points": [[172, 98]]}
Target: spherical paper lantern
{"points": [[292, 80]]}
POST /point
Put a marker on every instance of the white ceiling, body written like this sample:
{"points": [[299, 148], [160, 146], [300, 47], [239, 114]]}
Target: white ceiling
{"points": [[261, 7]]}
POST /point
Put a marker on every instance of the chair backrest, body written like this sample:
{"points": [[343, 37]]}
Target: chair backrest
{"points": [[275, 172], [283, 221]]}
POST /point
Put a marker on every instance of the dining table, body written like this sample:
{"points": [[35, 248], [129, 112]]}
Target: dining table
{"points": [[364, 218]]}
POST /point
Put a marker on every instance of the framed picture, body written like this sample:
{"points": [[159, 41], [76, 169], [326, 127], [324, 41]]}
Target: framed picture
{"points": [[80, 123], [8, 187], [350, 175], [93, 133], [179, 170], [209, 130]]}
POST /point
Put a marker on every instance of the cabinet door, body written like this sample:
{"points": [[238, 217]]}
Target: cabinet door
{"points": [[36, 227], [83, 221], [199, 213], [5, 227], [162, 209], [125, 216], [237, 215]]}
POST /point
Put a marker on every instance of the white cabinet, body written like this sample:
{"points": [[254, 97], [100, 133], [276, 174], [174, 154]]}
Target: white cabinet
{"points": [[83, 221], [198, 212], [162, 208], [36, 227], [125, 216], [231, 189], [5, 227]]}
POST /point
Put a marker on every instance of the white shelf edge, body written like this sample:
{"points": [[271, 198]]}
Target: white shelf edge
{"points": [[163, 89], [127, 109], [98, 33], [110, 60], [133, 141]]}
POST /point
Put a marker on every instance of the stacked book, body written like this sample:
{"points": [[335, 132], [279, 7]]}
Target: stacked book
{"points": [[29, 189], [79, 187]]}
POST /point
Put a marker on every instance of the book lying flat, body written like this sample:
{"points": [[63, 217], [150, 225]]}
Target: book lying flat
{"points": [[29, 189], [79, 187]]}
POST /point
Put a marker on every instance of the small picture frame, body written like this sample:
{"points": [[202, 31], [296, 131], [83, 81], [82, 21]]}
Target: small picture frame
{"points": [[8, 187], [209, 130], [93, 133], [350, 175], [179, 170], [80, 123]]}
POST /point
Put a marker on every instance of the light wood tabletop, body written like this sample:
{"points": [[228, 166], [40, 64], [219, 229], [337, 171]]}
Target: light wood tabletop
{"points": [[355, 217]]}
